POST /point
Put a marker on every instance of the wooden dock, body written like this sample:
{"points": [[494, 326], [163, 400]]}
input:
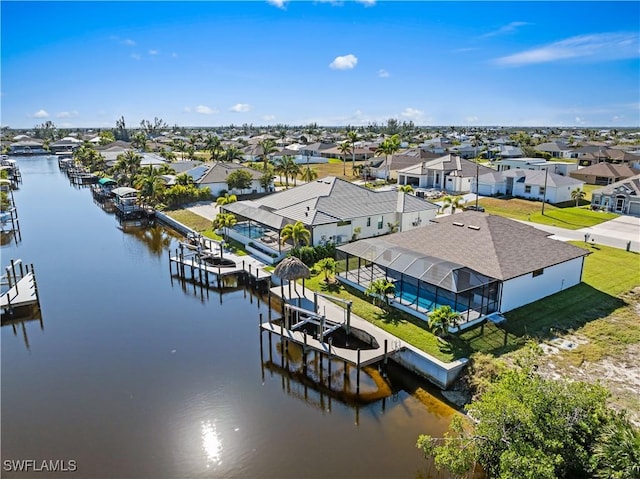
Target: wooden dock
{"points": [[21, 287]]}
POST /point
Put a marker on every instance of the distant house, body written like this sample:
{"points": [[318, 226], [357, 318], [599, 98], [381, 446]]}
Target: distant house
{"points": [[591, 154], [214, 176], [333, 210], [27, 146], [530, 184], [449, 173], [620, 197], [557, 149], [604, 173], [559, 167], [65, 145], [474, 262]]}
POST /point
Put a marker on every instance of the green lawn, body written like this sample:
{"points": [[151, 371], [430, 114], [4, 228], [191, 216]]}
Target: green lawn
{"points": [[596, 308], [190, 219], [572, 218]]}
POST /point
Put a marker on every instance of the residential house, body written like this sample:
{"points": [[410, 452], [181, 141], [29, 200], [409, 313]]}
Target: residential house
{"points": [[540, 185], [557, 149], [448, 173], [604, 173], [559, 167], [333, 210], [475, 263], [214, 176], [591, 154], [620, 197]]}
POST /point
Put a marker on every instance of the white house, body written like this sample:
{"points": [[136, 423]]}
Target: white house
{"points": [[474, 262], [559, 167], [214, 176], [538, 185], [449, 173]]}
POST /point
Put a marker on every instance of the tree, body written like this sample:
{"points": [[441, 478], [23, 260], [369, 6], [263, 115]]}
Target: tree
{"points": [[224, 221], [46, 131], [453, 201], [297, 233], [239, 179], [184, 179], [266, 179], [139, 141], [106, 137], [121, 132], [441, 318], [617, 453], [327, 266], [309, 174], [287, 166], [344, 148], [150, 184], [232, 153], [380, 289], [525, 427], [406, 188], [226, 199], [126, 167], [578, 195], [181, 146], [213, 146], [389, 146], [267, 146]]}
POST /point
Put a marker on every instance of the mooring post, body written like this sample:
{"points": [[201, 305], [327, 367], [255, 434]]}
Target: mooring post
{"points": [[349, 304], [384, 361], [358, 374], [315, 302], [329, 361], [260, 321]]}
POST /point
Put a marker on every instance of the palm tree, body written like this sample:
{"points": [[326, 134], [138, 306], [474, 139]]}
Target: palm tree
{"points": [[441, 318], [224, 221], [213, 146], [226, 199], [267, 178], [617, 450], [232, 153], [165, 169], [353, 137], [184, 179], [181, 147], [406, 189], [389, 146], [452, 201], [150, 184], [308, 174], [139, 141], [268, 146], [297, 233], [380, 290], [344, 148], [327, 266], [578, 195], [287, 166], [127, 166]]}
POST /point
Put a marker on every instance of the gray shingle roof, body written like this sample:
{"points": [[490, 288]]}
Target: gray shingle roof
{"points": [[218, 172], [497, 247]]}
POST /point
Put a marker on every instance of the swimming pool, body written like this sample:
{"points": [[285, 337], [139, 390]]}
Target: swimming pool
{"points": [[426, 300], [251, 231]]}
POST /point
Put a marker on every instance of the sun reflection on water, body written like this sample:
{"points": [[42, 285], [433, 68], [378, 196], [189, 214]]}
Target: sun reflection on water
{"points": [[211, 443]]}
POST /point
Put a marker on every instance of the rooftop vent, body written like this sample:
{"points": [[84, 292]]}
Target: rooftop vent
{"points": [[455, 223], [472, 227]]}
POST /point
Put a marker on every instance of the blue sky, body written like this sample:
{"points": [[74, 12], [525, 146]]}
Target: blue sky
{"points": [[85, 64]]}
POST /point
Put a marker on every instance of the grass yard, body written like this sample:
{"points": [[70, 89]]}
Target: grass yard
{"points": [[334, 168], [572, 218], [195, 222]]}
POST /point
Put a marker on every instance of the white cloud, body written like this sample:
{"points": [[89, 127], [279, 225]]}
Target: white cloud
{"points": [[382, 73], [412, 113], [471, 119], [129, 42], [596, 47], [41, 114], [135, 56], [67, 114], [278, 3], [580, 121], [153, 52], [345, 62], [509, 28], [240, 107], [269, 117], [205, 110], [367, 3]]}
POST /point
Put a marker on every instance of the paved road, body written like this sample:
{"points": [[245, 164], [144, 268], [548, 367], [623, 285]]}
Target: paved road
{"points": [[618, 233]]}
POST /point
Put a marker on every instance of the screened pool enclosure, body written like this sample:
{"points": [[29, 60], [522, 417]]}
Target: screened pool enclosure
{"points": [[422, 283]]}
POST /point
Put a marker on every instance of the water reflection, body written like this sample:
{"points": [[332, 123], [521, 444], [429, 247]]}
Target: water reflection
{"points": [[155, 237], [211, 443], [21, 322]]}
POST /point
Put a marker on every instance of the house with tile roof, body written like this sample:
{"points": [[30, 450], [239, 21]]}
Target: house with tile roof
{"points": [[540, 185], [333, 210], [448, 173], [620, 197], [474, 262], [603, 174]]}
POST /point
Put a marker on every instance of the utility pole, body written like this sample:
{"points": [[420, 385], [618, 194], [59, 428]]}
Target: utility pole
{"points": [[544, 196]]}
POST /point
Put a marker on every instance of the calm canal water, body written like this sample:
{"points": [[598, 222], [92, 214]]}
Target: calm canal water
{"points": [[135, 376]]}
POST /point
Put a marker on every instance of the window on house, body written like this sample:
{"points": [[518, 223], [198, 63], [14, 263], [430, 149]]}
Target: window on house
{"points": [[344, 223], [368, 221], [538, 272], [542, 190], [527, 188], [380, 222]]}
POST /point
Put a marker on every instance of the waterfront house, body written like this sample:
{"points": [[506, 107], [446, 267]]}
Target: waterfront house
{"points": [[620, 197], [214, 176], [332, 209], [474, 262], [540, 185], [448, 173]]}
